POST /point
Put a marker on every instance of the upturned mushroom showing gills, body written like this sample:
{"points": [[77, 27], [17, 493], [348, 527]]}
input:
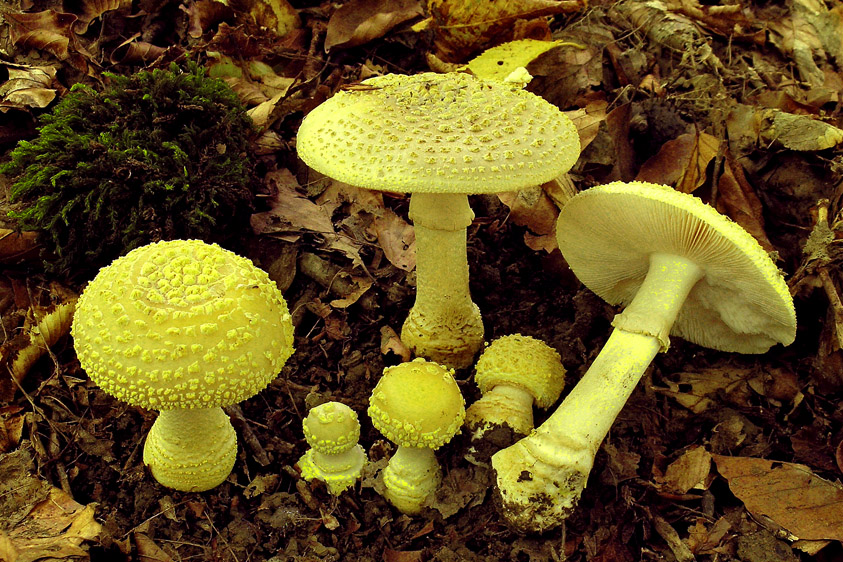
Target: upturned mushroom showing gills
{"points": [[439, 137], [680, 268], [418, 406], [183, 327]]}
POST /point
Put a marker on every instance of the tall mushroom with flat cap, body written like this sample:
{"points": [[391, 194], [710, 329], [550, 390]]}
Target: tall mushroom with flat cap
{"points": [[439, 137], [183, 327], [680, 268]]}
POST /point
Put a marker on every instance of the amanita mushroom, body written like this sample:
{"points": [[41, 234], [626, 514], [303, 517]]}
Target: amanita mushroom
{"points": [[680, 268], [418, 406], [183, 327], [439, 137], [513, 373], [332, 430]]}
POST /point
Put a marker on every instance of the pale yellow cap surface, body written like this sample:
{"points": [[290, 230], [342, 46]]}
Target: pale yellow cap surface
{"points": [[450, 133], [417, 404], [742, 304], [331, 428], [523, 362], [182, 324]]}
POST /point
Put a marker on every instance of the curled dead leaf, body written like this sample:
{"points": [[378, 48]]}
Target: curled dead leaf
{"points": [[47, 30], [359, 21]]}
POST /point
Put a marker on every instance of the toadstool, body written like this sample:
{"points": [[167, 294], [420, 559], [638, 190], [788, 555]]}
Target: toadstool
{"points": [[680, 268], [418, 406], [439, 137], [183, 327], [514, 372], [332, 430]]}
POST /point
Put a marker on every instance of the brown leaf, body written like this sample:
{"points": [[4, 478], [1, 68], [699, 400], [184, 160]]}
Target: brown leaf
{"points": [[532, 208], [462, 28], [391, 343], [688, 471], [737, 199], [681, 162], [27, 86], [588, 119], [290, 210], [390, 555], [804, 504], [277, 15], [92, 9], [702, 540], [18, 247], [691, 389], [148, 551], [132, 51], [11, 428], [397, 238], [48, 30], [359, 21]]}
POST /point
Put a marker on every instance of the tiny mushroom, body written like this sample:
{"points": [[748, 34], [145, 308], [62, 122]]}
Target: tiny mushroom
{"points": [[418, 406], [439, 137], [332, 430], [514, 372], [183, 327], [681, 269]]}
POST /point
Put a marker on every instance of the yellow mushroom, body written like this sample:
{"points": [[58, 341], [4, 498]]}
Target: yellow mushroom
{"points": [[439, 137], [419, 407], [332, 431], [680, 268], [183, 327]]}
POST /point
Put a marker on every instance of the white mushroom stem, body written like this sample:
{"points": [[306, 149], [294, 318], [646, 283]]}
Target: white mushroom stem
{"points": [[558, 455], [411, 476], [444, 324], [191, 450], [502, 405]]}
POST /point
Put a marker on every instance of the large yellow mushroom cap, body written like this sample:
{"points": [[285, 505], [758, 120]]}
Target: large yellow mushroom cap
{"points": [[417, 404], [438, 133], [182, 324], [523, 362]]}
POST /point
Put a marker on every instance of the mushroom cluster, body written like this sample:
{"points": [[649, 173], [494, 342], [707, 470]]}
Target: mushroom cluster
{"points": [[183, 327], [439, 137]]}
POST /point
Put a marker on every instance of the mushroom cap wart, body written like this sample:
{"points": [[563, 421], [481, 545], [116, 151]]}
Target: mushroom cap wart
{"points": [[523, 362], [417, 404], [742, 304], [331, 428], [429, 132], [182, 324]]}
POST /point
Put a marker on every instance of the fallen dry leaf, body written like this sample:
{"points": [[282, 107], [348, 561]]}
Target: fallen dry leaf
{"points": [[703, 539], [277, 15], [148, 551], [391, 343], [397, 238], [795, 498], [687, 472], [588, 119], [17, 247], [133, 51], [499, 62], [26, 86], [691, 389], [681, 162], [799, 132], [47, 30], [737, 200], [11, 427], [462, 28], [532, 208], [359, 21], [92, 9]]}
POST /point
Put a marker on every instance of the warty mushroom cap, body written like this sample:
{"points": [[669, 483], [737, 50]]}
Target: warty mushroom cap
{"points": [[331, 428], [448, 133], [742, 304], [524, 362], [417, 404], [182, 324]]}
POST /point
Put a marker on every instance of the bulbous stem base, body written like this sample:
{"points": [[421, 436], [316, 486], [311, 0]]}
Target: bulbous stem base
{"points": [[411, 476]]}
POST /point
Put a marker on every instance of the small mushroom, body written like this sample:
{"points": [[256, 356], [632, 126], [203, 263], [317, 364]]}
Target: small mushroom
{"points": [[681, 269], [439, 137], [332, 431], [513, 373], [183, 327], [419, 407]]}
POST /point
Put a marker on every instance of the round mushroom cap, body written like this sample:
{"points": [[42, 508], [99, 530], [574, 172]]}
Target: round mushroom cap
{"points": [[450, 133], [182, 324], [417, 404], [331, 428], [523, 362], [742, 304]]}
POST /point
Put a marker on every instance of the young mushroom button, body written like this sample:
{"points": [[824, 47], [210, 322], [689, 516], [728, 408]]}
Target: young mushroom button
{"points": [[183, 327], [680, 268], [439, 137], [332, 430], [419, 407]]}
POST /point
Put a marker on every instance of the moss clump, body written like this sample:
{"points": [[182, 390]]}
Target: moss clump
{"points": [[156, 156]]}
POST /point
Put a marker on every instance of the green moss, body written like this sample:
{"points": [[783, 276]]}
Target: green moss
{"points": [[155, 156]]}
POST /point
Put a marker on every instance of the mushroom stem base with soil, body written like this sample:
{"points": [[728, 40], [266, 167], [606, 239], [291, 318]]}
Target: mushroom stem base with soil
{"points": [[413, 474], [191, 450], [444, 324], [541, 477]]}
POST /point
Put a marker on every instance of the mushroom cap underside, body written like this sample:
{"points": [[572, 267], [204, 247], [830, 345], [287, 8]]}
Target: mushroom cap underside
{"points": [[182, 324], [417, 404], [742, 304], [450, 133]]}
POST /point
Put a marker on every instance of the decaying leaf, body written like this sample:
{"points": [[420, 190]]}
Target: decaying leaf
{"points": [[703, 539], [681, 162], [148, 551], [687, 472], [499, 62], [11, 427], [277, 15], [799, 132], [737, 200], [27, 86], [391, 343], [397, 238], [92, 9], [462, 28], [588, 119], [47, 30], [691, 390], [532, 208], [795, 498], [359, 21], [16, 247]]}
